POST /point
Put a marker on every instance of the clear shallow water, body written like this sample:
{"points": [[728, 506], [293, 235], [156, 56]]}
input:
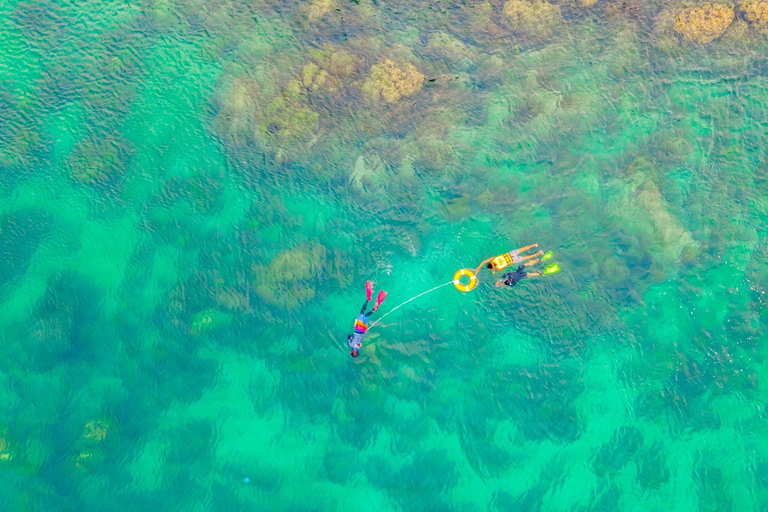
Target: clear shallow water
{"points": [[186, 231]]}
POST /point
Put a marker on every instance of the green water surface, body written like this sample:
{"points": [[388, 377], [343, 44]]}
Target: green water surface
{"points": [[193, 194]]}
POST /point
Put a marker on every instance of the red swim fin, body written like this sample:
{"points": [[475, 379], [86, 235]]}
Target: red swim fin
{"points": [[368, 289], [379, 299]]}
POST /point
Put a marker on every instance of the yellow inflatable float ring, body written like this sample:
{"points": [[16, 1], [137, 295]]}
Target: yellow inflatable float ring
{"points": [[461, 286]]}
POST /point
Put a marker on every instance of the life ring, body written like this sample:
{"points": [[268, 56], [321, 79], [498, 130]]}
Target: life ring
{"points": [[464, 287]]}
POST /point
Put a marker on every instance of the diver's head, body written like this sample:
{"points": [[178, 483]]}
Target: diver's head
{"points": [[354, 353], [490, 266], [508, 282]]}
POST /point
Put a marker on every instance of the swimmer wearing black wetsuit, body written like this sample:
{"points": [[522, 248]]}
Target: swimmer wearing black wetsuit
{"points": [[512, 278]]}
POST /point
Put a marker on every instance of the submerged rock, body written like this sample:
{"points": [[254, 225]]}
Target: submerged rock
{"points": [[580, 3], [534, 18], [5, 448], [640, 204], [313, 77], [455, 53], [289, 120], [456, 208], [290, 278], [669, 230], [208, 320], [328, 69], [704, 24], [392, 81], [368, 172], [97, 159], [319, 8], [445, 42], [756, 12], [91, 446], [96, 430], [434, 154], [336, 61]]}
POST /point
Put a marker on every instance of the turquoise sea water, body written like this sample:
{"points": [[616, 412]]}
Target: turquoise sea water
{"points": [[193, 194]]}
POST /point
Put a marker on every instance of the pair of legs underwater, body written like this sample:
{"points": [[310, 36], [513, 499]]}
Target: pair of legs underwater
{"points": [[368, 295]]}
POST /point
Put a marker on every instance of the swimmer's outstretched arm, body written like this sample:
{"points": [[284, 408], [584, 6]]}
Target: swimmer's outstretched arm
{"points": [[482, 265]]}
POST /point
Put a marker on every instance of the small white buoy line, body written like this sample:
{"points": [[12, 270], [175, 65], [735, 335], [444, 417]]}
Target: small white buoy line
{"points": [[409, 300]]}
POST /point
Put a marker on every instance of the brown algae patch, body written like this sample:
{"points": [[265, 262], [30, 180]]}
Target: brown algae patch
{"points": [[83, 459], [95, 430], [756, 13], [328, 69], [5, 448], [392, 81], [704, 24], [290, 278], [319, 8], [533, 18]]}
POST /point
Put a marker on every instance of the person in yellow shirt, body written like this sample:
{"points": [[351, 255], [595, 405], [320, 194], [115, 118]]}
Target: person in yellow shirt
{"points": [[510, 258]]}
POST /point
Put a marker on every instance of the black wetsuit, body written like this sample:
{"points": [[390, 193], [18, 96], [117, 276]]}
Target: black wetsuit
{"points": [[512, 278]]}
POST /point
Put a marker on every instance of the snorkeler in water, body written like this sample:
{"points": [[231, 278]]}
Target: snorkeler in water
{"points": [[355, 341], [509, 258], [512, 278]]}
